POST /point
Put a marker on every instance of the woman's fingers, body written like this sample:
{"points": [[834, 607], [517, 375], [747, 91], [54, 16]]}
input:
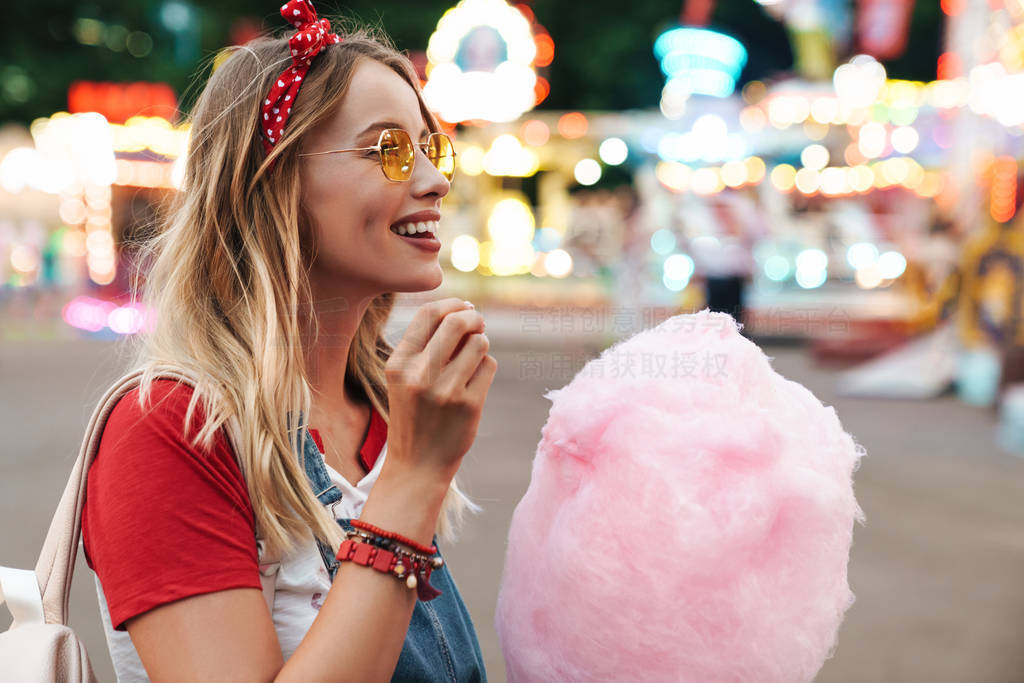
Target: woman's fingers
{"points": [[480, 382], [458, 372], [438, 378], [425, 323], [406, 364], [450, 333]]}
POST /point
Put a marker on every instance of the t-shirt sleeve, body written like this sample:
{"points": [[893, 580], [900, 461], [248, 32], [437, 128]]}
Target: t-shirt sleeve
{"points": [[164, 520]]}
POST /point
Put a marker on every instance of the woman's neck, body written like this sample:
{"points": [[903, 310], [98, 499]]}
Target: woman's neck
{"points": [[338, 318]]}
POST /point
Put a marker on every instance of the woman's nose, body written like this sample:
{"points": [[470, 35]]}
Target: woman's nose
{"points": [[426, 178]]}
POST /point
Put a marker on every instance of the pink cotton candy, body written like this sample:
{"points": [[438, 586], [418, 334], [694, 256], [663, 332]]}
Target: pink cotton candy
{"points": [[689, 518]]}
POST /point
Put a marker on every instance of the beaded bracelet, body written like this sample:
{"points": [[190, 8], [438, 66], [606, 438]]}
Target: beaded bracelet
{"points": [[396, 561], [360, 524], [395, 547]]}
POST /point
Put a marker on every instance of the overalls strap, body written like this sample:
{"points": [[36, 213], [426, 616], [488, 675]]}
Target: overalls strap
{"points": [[441, 643]]}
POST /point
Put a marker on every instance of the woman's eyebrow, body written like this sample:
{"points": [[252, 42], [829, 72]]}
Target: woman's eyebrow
{"points": [[381, 125]]}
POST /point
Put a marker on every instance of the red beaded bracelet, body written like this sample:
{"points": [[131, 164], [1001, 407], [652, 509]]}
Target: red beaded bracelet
{"points": [[359, 524], [396, 564], [387, 544]]}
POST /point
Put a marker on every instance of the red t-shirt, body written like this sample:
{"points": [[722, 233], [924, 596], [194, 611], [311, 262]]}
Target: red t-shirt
{"points": [[164, 520]]}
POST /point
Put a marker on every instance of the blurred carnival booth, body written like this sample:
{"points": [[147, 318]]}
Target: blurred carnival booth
{"points": [[829, 204], [78, 190]]}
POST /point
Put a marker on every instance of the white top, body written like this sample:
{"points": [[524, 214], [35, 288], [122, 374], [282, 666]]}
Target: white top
{"points": [[300, 590]]}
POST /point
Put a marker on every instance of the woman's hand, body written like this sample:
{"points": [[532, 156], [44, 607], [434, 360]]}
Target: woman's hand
{"points": [[438, 377]]}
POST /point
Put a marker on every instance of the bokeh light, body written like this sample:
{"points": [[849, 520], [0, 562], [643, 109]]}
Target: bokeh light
{"points": [[613, 151], [587, 172]]}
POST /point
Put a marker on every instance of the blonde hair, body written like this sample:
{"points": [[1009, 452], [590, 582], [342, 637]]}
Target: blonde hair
{"points": [[228, 276]]}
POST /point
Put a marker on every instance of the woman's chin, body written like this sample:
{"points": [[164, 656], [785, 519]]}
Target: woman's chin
{"points": [[421, 282]]}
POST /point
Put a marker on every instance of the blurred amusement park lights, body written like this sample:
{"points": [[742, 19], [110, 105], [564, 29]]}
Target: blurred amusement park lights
{"points": [[1003, 191], [783, 177], [811, 268], [481, 63], [535, 133], [674, 97], [679, 267], [699, 62], [814, 157], [507, 157], [663, 241], [677, 271], [69, 149], [776, 268], [673, 175], [892, 264], [471, 159], [587, 172], [813, 139], [873, 269], [511, 221], [861, 255], [904, 139], [465, 254], [546, 239], [572, 125], [859, 82], [558, 263], [93, 315], [613, 151], [707, 140], [78, 158], [871, 140]]}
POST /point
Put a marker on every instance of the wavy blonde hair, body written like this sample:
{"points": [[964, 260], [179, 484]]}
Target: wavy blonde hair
{"points": [[227, 279]]}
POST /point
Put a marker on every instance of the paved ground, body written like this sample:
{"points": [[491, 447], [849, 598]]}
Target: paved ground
{"points": [[938, 571]]}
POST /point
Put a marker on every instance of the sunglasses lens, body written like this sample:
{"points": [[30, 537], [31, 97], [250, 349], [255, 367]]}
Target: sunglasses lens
{"points": [[396, 154], [442, 154]]}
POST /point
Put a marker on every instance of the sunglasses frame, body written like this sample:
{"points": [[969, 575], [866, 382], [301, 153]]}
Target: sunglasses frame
{"points": [[379, 147]]}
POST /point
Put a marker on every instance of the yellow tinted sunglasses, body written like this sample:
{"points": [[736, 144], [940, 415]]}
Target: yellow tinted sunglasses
{"points": [[397, 153]]}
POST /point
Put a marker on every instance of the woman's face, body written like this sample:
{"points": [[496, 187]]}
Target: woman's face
{"points": [[352, 205]]}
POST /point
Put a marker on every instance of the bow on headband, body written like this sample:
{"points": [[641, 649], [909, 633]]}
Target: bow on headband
{"points": [[312, 36]]}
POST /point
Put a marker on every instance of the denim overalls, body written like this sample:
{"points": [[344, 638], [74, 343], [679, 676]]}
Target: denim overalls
{"points": [[440, 644]]}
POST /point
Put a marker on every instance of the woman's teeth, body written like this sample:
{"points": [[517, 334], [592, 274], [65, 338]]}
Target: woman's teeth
{"points": [[413, 228]]}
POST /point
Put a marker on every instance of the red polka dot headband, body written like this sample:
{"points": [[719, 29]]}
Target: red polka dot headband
{"points": [[312, 36]]}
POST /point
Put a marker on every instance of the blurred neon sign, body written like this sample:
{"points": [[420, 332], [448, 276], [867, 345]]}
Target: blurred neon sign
{"points": [[701, 61], [118, 102]]}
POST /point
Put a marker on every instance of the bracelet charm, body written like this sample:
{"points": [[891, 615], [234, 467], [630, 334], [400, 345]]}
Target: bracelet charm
{"points": [[386, 555]]}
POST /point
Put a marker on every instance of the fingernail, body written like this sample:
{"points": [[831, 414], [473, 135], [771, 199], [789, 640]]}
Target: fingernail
{"points": [[470, 304]]}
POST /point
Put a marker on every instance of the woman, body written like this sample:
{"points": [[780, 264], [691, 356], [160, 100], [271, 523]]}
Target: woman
{"points": [[272, 281]]}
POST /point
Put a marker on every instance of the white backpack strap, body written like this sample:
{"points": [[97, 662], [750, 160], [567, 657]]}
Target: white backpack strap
{"points": [[56, 563], [20, 590]]}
